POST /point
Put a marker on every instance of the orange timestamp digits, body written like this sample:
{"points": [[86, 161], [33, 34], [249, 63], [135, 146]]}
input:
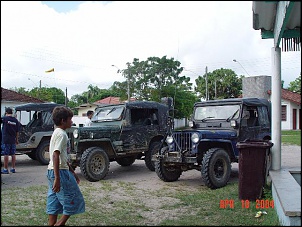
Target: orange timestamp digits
{"points": [[259, 204], [226, 203]]}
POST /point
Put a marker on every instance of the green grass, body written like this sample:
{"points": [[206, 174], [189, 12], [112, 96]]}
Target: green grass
{"points": [[117, 203], [292, 137], [171, 206]]}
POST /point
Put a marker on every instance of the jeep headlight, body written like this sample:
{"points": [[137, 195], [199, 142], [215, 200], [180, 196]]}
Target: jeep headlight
{"points": [[195, 137], [75, 133], [169, 139]]}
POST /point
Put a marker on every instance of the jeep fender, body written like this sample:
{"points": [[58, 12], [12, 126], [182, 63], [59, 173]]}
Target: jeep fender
{"points": [[34, 141], [110, 148], [228, 145]]}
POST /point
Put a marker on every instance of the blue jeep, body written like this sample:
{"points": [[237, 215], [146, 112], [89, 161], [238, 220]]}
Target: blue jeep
{"points": [[209, 145]]}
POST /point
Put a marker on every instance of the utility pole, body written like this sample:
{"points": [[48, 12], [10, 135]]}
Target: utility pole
{"points": [[39, 89], [66, 97], [215, 90], [128, 87], [206, 83]]}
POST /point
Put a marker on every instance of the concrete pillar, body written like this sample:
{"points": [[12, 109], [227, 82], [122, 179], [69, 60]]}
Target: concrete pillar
{"points": [[276, 108]]}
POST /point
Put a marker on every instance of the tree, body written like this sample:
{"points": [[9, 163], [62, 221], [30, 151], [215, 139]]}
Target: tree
{"points": [[295, 86], [52, 94], [147, 78], [183, 100], [221, 84], [119, 89], [21, 90], [156, 78]]}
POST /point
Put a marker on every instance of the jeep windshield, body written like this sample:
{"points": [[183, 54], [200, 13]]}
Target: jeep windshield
{"points": [[108, 113], [222, 112]]}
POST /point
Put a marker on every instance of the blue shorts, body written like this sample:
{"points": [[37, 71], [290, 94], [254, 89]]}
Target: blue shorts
{"points": [[8, 149], [69, 200]]}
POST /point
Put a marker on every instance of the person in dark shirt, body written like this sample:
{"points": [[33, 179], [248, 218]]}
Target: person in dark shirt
{"points": [[10, 130]]}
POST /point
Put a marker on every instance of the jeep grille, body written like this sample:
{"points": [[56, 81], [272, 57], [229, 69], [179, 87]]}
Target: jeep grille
{"points": [[183, 141]]}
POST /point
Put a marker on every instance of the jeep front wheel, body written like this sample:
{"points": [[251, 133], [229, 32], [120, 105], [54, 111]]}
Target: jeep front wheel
{"points": [[154, 148], [42, 153], [216, 168], [166, 172], [94, 164], [126, 161]]}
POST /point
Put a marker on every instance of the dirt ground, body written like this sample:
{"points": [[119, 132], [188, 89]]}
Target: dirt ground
{"points": [[30, 172]]}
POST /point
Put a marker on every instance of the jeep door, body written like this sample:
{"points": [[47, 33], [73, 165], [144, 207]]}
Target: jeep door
{"points": [[257, 124], [143, 126]]}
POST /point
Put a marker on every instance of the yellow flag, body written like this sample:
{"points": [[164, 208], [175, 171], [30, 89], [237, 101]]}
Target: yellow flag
{"points": [[51, 70]]}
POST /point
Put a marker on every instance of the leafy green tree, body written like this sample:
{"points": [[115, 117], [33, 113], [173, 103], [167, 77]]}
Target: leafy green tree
{"points": [[21, 90], [147, 78], [221, 84], [120, 89], [156, 78], [52, 94], [183, 100], [295, 86]]}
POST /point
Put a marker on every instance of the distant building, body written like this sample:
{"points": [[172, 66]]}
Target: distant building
{"points": [[260, 86], [11, 98]]}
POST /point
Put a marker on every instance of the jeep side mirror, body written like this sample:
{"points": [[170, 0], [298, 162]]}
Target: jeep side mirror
{"points": [[125, 123]]}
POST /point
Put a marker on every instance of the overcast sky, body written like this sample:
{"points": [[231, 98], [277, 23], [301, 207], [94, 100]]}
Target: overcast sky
{"points": [[82, 40]]}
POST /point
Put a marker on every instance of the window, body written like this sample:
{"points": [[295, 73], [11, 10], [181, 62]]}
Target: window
{"points": [[144, 116], [283, 113]]}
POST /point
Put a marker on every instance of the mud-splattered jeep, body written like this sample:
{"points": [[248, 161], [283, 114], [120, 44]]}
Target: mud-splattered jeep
{"points": [[122, 133], [209, 145], [34, 137]]}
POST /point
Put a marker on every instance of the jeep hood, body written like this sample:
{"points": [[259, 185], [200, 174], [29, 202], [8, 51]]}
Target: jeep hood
{"points": [[97, 132], [214, 134]]}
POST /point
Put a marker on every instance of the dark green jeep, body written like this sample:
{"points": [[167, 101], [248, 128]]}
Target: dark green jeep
{"points": [[122, 133]]}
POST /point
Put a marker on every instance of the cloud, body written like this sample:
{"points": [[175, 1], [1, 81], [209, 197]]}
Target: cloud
{"points": [[83, 43]]}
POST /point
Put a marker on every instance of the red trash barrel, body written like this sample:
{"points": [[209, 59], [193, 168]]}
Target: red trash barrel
{"points": [[253, 156]]}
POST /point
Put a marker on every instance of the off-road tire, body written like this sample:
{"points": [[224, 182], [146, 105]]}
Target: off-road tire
{"points": [[126, 161], [154, 148], [32, 155], [94, 164], [216, 168], [42, 152], [165, 172]]}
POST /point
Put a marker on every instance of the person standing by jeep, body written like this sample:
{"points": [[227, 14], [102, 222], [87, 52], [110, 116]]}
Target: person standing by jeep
{"points": [[63, 195], [89, 116], [10, 131]]}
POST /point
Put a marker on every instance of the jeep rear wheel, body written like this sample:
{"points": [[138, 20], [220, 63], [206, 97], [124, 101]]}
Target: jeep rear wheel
{"points": [[42, 153], [154, 148], [32, 155], [216, 168], [94, 164], [126, 161], [167, 173]]}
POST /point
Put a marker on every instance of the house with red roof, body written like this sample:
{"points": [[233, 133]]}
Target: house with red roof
{"points": [[260, 86], [11, 98], [290, 109]]}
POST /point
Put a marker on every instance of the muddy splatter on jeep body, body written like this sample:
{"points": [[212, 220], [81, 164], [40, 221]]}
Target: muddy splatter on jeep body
{"points": [[122, 133]]}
